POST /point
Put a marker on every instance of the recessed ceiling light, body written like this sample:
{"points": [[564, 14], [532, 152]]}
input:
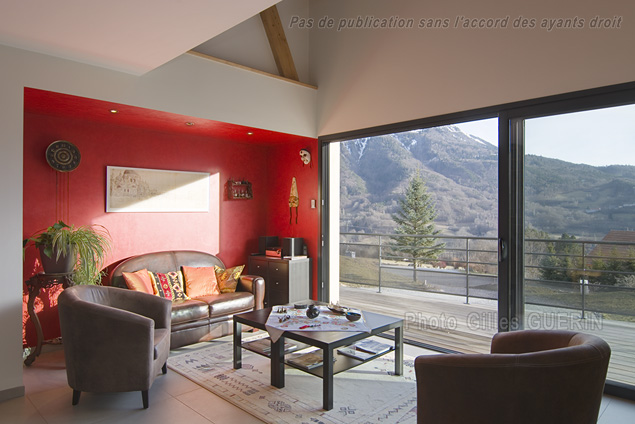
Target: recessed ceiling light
{"points": [[189, 124], [250, 133], [114, 111]]}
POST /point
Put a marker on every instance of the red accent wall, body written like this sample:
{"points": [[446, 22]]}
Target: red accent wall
{"points": [[230, 229], [287, 164]]}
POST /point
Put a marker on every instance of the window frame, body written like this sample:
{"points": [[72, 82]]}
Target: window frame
{"points": [[511, 118]]}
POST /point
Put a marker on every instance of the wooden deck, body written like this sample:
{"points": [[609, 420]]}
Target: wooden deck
{"points": [[447, 322]]}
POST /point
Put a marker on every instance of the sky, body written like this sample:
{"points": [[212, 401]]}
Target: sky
{"points": [[599, 137]]}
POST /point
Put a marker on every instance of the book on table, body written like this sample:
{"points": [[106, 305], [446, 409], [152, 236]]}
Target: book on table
{"points": [[264, 345], [307, 360], [371, 346], [365, 349]]}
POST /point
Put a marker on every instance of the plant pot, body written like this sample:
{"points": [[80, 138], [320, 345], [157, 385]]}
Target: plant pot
{"points": [[64, 265]]}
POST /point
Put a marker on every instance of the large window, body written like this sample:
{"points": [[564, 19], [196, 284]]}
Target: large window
{"points": [[579, 217], [418, 230], [561, 253]]}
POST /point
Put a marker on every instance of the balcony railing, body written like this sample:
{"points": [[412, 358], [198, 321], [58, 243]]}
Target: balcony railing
{"points": [[587, 276]]}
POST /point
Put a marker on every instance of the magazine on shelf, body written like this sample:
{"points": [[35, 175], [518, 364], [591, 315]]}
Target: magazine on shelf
{"points": [[264, 345], [371, 346], [307, 360], [354, 353]]}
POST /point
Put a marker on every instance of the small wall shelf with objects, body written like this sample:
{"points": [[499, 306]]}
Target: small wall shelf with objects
{"points": [[239, 190]]}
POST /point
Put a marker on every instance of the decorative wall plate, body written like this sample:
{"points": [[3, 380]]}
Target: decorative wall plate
{"points": [[63, 156]]}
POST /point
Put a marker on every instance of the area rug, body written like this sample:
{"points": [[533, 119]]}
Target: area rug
{"points": [[369, 393]]}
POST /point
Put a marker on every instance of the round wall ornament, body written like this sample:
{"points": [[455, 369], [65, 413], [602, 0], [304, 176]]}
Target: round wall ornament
{"points": [[63, 156]]}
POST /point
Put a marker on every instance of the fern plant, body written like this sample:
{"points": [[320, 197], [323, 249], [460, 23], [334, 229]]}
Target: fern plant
{"points": [[89, 243]]}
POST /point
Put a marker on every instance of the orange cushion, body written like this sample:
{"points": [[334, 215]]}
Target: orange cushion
{"points": [[200, 281], [139, 281]]}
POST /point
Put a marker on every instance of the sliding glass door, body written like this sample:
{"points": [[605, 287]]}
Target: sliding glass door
{"points": [[560, 256], [579, 228]]}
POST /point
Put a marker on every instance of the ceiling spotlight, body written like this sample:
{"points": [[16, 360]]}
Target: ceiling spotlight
{"points": [[250, 133], [189, 124], [114, 111]]}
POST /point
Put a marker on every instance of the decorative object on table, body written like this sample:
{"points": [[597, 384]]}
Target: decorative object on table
{"points": [[300, 305], [80, 250], [239, 190], [335, 307], [156, 190], [294, 201], [353, 316], [361, 391], [312, 311], [305, 156], [34, 285], [63, 156]]}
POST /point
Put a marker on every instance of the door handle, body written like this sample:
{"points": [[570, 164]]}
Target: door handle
{"points": [[502, 250]]}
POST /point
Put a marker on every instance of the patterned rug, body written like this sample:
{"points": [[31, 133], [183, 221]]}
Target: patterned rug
{"points": [[369, 393]]}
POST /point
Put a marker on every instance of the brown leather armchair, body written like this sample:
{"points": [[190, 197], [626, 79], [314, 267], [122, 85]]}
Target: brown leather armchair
{"points": [[115, 340], [531, 376]]}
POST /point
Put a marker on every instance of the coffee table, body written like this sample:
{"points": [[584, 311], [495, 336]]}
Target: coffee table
{"points": [[328, 341]]}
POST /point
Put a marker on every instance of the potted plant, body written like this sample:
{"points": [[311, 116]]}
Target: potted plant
{"points": [[81, 250]]}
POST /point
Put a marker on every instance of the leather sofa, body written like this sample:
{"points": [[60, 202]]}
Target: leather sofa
{"points": [[203, 318]]}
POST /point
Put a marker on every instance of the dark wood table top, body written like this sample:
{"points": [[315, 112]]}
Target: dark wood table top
{"points": [[378, 323]]}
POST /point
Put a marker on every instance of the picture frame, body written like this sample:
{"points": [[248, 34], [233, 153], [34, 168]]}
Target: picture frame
{"points": [[156, 190]]}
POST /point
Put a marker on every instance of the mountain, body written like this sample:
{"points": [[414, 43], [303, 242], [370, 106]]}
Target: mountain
{"points": [[461, 173]]}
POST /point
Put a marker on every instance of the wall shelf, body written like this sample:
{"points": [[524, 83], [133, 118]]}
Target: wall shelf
{"points": [[239, 190]]}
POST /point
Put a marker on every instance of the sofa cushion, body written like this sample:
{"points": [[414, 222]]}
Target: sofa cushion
{"points": [[139, 281], [168, 285], [228, 278], [189, 310], [228, 303], [200, 281]]}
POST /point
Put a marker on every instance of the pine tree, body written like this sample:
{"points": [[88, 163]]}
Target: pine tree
{"points": [[416, 218]]}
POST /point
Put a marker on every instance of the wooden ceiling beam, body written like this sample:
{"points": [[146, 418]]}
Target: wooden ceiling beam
{"points": [[278, 42]]}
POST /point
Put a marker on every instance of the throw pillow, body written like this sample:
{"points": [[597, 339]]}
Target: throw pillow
{"points": [[200, 281], [139, 281], [169, 285], [228, 278]]}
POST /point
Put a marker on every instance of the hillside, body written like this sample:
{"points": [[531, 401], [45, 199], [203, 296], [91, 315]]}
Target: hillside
{"points": [[461, 173]]}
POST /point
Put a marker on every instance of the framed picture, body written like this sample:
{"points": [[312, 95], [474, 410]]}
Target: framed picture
{"points": [[156, 190]]}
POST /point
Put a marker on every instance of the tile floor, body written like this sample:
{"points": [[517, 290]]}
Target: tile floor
{"points": [[173, 399]]}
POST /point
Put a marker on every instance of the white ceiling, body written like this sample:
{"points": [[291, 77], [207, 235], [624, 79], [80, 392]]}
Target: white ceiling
{"points": [[133, 36]]}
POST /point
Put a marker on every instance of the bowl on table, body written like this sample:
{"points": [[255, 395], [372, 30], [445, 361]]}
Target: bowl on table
{"points": [[352, 315]]}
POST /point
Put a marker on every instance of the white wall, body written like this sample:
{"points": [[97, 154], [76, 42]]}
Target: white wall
{"points": [[247, 42], [187, 85], [369, 77]]}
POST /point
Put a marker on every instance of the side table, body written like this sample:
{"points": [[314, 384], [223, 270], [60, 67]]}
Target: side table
{"points": [[34, 285]]}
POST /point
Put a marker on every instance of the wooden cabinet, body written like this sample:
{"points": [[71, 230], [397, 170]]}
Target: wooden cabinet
{"points": [[286, 280]]}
